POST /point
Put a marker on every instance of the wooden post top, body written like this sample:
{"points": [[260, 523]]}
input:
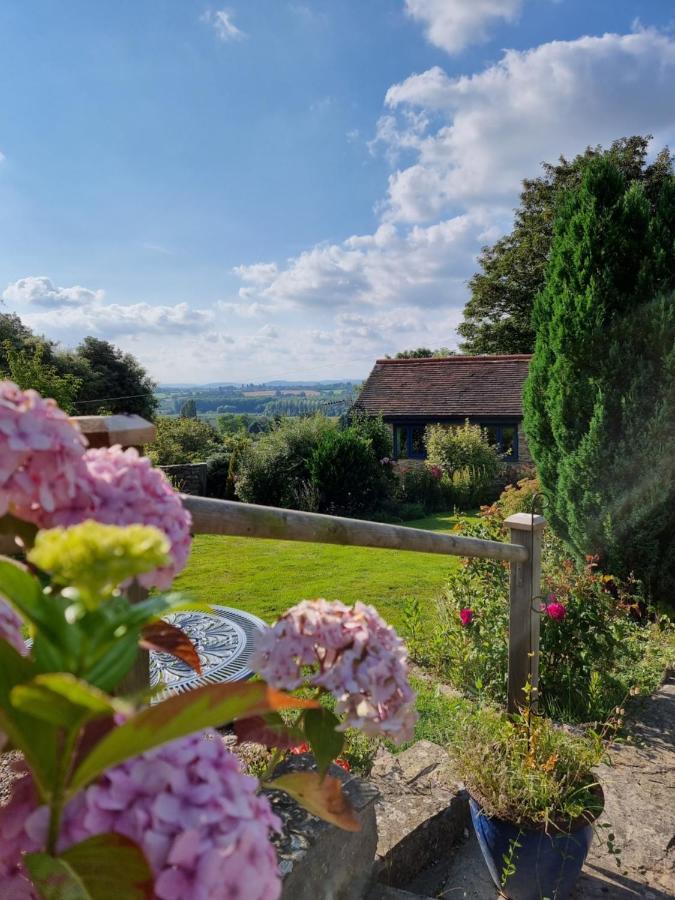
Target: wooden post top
{"points": [[105, 431], [525, 522]]}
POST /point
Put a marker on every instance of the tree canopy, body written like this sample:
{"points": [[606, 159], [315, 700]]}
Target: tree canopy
{"points": [[94, 378], [498, 315]]}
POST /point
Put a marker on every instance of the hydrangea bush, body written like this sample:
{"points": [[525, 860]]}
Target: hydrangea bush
{"points": [[116, 797]]}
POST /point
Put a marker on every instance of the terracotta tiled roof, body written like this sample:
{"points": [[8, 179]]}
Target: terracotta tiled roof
{"points": [[452, 386]]}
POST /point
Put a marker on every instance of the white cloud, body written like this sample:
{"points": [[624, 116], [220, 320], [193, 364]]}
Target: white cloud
{"points": [[488, 131], [112, 320], [42, 292], [415, 267], [221, 21], [454, 24]]}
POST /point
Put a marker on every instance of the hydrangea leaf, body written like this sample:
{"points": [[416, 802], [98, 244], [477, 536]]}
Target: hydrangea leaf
{"points": [[322, 796], [326, 742], [63, 700], [104, 867], [269, 730], [209, 706], [36, 739], [168, 638]]}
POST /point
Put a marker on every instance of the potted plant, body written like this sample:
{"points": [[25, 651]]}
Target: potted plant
{"points": [[533, 798]]}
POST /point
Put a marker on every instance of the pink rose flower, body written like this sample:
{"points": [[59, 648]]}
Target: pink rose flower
{"points": [[555, 610], [466, 615], [353, 654]]}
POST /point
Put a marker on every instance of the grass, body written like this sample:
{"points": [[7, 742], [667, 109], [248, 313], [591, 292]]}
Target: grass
{"points": [[266, 577]]}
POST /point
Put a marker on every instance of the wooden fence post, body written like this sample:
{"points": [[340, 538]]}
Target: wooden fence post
{"points": [[524, 617]]}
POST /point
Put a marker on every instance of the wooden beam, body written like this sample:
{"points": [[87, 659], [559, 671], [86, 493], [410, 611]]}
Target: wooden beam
{"points": [[211, 516]]}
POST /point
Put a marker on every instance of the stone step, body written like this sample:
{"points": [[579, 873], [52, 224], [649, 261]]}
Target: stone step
{"points": [[421, 812]]}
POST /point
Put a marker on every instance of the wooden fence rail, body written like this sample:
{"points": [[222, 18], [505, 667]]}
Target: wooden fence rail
{"points": [[227, 517]]}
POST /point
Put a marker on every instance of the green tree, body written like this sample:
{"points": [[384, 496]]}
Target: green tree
{"points": [[181, 441], [118, 382], [26, 367], [600, 398], [423, 353], [498, 316], [188, 409]]}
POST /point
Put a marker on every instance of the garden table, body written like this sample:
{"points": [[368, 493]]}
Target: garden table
{"points": [[224, 639]]}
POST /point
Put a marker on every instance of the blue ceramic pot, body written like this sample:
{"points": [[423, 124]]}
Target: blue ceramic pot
{"points": [[547, 865]]}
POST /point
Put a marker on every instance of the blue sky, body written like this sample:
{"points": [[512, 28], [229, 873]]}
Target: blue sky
{"points": [[275, 189]]}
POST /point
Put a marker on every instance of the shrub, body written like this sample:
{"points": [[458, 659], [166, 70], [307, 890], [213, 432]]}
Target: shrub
{"points": [[602, 648], [375, 431], [275, 470], [347, 475], [525, 771], [515, 498], [470, 464], [421, 485], [180, 441]]}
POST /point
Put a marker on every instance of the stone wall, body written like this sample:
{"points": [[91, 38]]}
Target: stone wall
{"points": [[189, 478]]}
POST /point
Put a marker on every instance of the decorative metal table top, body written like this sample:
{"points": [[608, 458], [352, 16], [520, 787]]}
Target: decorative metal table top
{"points": [[224, 639]]}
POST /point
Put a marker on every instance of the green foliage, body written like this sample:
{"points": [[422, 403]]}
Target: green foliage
{"points": [[497, 318], [117, 382], [103, 867], [374, 430], [424, 353], [600, 398], [469, 463], [95, 378], [27, 368], [180, 441], [419, 485], [275, 471], [188, 410], [347, 475], [605, 648], [526, 770]]}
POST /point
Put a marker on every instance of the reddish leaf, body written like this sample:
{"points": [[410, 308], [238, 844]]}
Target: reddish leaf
{"points": [[167, 638], [270, 731], [205, 707], [321, 796]]}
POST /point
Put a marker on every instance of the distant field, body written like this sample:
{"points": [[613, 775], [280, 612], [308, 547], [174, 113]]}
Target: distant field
{"points": [[266, 577]]}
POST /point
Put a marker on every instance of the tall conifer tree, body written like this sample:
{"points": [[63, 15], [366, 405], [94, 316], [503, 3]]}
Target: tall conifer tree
{"points": [[600, 397]]}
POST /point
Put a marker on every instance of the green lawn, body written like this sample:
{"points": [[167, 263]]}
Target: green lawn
{"points": [[266, 577]]}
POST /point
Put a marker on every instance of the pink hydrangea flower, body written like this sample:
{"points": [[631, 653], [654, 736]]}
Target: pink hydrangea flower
{"points": [[355, 656], [436, 471], [466, 615], [40, 454], [554, 610], [47, 478], [196, 816], [120, 487]]}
